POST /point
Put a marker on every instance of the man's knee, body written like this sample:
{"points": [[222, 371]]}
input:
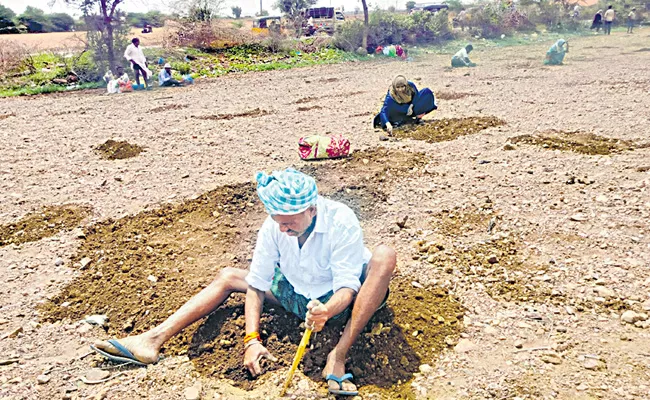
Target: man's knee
{"points": [[385, 257], [230, 278]]}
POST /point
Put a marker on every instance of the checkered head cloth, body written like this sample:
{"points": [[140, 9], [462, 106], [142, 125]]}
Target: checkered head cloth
{"points": [[286, 192]]}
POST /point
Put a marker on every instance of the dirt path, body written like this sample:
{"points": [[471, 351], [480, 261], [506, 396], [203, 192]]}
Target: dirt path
{"points": [[530, 249]]}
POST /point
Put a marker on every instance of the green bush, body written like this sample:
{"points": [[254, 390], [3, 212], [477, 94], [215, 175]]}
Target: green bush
{"points": [[386, 28]]}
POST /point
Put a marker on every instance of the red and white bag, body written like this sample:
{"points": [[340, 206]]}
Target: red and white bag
{"points": [[318, 147]]}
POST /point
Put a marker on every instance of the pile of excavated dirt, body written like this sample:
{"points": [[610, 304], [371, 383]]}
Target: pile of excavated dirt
{"points": [[310, 108], [169, 107], [144, 267], [118, 150], [447, 128], [577, 142], [452, 95], [246, 114], [417, 324], [42, 224]]}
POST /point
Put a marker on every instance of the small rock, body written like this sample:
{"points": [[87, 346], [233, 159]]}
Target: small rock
{"points": [[519, 344], [561, 329], [43, 379], [152, 278], [96, 319], [631, 317], [58, 262], [404, 361], [593, 364], [493, 259], [9, 361], [509, 146], [582, 387], [552, 359], [578, 217], [425, 369], [12, 334], [464, 346], [85, 262], [97, 374], [383, 138], [605, 292], [602, 198], [417, 285], [394, 229]]}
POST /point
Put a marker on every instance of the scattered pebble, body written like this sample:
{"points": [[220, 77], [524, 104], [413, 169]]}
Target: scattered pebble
{"points": [[192, 393], [43, 379], [58, 262], [464, 346], [631, 317], [97, 374]]}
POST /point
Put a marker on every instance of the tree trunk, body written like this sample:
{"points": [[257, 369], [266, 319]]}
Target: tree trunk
{"points": [[109, 44], [364, 42]]}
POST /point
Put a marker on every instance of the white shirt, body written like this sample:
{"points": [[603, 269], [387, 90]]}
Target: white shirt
{"points": [[332, 257], [462, 54], [609, 15], [163, 76], [135, 54]]}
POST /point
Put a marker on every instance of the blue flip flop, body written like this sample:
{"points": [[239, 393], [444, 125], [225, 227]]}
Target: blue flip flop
{"points": [[126, 358], [340, 391]]}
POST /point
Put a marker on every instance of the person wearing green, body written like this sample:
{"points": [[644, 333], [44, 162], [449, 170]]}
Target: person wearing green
{"points": [[461, 59], [555, 55]]}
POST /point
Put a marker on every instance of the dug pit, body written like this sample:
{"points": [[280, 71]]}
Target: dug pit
{"points": [[447, 128], [144, 267], [118, 150], [577, 142], [42, 224]]}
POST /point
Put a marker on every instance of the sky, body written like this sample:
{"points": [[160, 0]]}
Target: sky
{"points": [[249, 7]]}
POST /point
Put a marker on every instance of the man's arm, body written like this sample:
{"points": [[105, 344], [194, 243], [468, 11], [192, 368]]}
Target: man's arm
{"points": [[254, 349]]}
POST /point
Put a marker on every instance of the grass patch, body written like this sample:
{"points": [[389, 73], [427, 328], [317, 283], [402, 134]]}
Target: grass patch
{"points": [[50, 88]]}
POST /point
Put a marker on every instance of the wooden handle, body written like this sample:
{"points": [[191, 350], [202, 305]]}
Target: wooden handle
{"points": [[296, 360]]}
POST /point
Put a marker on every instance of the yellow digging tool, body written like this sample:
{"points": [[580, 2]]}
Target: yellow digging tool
{"points": [[296, 359]]}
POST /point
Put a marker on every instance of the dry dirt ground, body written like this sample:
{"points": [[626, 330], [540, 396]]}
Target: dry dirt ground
{"points": [[520, 217]]}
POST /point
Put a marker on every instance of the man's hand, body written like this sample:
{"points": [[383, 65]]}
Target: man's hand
{"points": [[252, 358], [410, 110], [389, 128], [317, 315]]}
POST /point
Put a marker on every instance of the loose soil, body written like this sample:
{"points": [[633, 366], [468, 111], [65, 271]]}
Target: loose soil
{"points": [[413, 329], [447, 128], [146, 266], [118, 150], [309, 99], [246, 114], [577, 142], [41, 224], [452, 95], [169, 107]]}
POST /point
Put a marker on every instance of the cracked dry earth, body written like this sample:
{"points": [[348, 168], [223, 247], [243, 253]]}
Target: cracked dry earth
{"points": [[523, 246]]}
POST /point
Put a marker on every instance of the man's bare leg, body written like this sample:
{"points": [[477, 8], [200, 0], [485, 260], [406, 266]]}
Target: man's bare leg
{"points": [[146, 346], [372, 293]]}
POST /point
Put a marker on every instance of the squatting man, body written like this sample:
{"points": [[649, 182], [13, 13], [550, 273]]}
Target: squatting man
{"points": [[309, 258]]}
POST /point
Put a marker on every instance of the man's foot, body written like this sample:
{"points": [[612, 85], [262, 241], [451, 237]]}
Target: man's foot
{"points": [[336, 367], [141, 348]]}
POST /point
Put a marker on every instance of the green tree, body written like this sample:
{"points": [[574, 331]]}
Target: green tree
{"points": [[6, 17], [61, 22], [35, 20], [236, 11], [293, 10], [199, 10], [410, 5], [106, 29]]}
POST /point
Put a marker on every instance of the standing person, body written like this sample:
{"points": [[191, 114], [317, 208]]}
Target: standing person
{"points": [[598, 21], [165, 77], [631, 17], [610, 15], [309, 247], [403, 104], [138, 61]]}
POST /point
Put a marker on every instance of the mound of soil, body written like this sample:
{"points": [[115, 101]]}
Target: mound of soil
{"points": [[118, 150], [309, 108], [413, 329], [448, 128], [246, 114], [577, 142], [169, 107], [42, 224], [327, 96], [5, 116], [452, 95], [144, 267]]}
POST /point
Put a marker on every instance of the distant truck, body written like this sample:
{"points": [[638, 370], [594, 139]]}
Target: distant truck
{"points": [[321, 19]]}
